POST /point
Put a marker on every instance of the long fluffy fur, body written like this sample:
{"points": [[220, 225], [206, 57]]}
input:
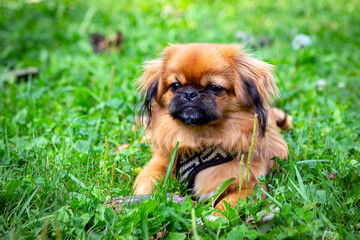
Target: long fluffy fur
{"points": [[250, 90]]}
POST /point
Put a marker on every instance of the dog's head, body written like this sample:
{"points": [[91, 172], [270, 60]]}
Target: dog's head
{"points": [[200, 84]]}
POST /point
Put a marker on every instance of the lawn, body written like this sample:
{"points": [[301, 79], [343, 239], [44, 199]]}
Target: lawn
{"points": [[59, 131]]}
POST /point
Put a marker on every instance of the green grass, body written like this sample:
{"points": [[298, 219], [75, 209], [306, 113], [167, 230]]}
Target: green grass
{"points": [[55, 171]]}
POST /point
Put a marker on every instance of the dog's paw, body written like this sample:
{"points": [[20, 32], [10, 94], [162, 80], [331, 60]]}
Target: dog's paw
{"points": [[143, 189]]}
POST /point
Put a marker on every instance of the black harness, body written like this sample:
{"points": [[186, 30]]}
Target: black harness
{"points": [[190, 164]]}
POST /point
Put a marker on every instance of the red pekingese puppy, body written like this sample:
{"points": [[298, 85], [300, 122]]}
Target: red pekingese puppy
{"points": [[205, 96]]}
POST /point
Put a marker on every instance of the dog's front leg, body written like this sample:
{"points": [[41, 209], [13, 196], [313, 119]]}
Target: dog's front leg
{"points": [[232, 197], [151, 174]]}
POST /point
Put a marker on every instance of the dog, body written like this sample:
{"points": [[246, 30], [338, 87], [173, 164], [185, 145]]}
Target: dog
{"points": [[205, 96]]}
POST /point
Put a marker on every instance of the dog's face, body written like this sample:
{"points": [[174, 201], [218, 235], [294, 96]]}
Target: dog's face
{"points": [[201, 84], [197, 87]]}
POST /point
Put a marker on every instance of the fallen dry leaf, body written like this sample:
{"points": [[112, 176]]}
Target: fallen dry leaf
{"points": [[101, 44], [332, 175], [159, 235]]}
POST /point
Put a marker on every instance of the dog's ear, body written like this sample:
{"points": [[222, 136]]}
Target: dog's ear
{"points": [[149, 86], [256, 86]]}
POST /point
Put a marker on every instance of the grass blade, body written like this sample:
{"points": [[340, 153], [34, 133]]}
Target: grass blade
{"points": [[302, 193], [241, 174], [6, 141], [193, 223], [49, 193], [250, 152], [273, 199], [220, 189], [169, 170], [311, 126], [301, 183], [26, 203]]}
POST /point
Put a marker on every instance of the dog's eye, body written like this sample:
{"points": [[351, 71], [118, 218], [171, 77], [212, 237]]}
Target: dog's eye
{"points": [[175, 86], [214, 89]]}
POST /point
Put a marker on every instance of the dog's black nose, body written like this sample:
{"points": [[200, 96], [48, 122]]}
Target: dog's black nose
{"points": [[190, 95]]}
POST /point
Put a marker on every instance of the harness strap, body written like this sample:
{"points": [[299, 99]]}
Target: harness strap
{"points": [[190, 164]]}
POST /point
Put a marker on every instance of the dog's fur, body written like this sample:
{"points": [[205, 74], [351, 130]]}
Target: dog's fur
{"points": [[248, 89]]}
